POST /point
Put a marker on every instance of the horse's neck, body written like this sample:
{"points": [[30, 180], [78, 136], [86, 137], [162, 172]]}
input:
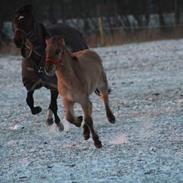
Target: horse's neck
{"points": [[36, 36], [66, 70], [68, 60]]}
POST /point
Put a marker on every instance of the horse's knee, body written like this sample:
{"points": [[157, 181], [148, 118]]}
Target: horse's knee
{"points": [[30, 103], [88, 120], [76, 121], [87, 109], [70, 118]]}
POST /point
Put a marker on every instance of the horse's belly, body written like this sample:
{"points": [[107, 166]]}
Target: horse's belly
{"points": [[93, 85]]}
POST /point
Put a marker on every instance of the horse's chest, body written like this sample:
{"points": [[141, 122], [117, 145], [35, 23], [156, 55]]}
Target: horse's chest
{"points": [[67, 91]]}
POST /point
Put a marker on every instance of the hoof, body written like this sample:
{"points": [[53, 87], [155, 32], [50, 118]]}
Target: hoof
{"points": [[112, 119], [86, 136], [60, 127], [36, 110], [49, 121], [79, 121], [98, 144]]}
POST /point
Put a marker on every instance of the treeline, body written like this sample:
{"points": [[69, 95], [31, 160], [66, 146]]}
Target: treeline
{"points": [[53, 10], [85, 13]]}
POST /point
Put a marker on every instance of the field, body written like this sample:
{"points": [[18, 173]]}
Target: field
{"points": [[144, 146]]}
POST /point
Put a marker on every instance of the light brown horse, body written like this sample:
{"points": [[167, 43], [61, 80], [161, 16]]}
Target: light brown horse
{"points": [[78, 74]]}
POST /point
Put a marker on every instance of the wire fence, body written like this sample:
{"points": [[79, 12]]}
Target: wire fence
{"points": [[121, 35], [102, 36]]}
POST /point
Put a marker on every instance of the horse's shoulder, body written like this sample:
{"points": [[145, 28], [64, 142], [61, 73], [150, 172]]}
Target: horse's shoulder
{"points": [[93, 55], [74, 57], [87, 54], [83, 53], [78, 54]]}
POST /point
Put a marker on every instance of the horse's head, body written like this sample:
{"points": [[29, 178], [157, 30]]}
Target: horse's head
{"points": [[54, 54], [22, 24]]}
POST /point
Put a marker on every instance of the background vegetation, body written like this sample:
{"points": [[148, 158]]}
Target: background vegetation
{"points": [[103, 22]]}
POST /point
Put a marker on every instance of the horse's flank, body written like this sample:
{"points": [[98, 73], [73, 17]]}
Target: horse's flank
{"points": [[80, 72]]}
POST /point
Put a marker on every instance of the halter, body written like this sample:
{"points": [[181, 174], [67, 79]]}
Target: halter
{"points": [[57, 62]]}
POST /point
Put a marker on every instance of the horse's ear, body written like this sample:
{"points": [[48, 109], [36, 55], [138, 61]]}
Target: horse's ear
{"points": [[28, 8], [46, 40], [63, 42]]}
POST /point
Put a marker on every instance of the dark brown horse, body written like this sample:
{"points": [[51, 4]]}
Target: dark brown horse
{"points": [[30, 36]]}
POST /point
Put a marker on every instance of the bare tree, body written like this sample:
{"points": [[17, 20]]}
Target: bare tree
{"points": [[177, 11], [160, 5]]}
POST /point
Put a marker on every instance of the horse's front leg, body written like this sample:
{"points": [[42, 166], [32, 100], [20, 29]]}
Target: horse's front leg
{"points": [[87, 109], [52, 110], [30, 103], [69, 113], [86, 131]]}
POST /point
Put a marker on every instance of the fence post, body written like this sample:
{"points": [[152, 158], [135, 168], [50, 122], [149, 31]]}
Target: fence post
{"points": [[101, 30]]}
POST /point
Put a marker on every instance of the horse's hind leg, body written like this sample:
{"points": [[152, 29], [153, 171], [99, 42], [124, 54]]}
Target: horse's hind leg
{"points": [[105, 99], [69, 113], [87, 108], [86, 131], [104, 91], [30, 103], [53, 110], [49, 116]]}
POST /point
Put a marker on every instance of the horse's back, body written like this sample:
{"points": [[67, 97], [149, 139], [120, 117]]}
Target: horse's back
{"points": [[88, 66], [73, 38], [88, 57]]}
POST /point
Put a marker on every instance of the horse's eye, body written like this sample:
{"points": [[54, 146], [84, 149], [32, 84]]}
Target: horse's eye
{"points": [[20, 21], [57, 51]]}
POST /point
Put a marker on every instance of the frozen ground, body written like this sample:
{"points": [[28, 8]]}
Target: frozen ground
{"points": [[144, 146]]}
